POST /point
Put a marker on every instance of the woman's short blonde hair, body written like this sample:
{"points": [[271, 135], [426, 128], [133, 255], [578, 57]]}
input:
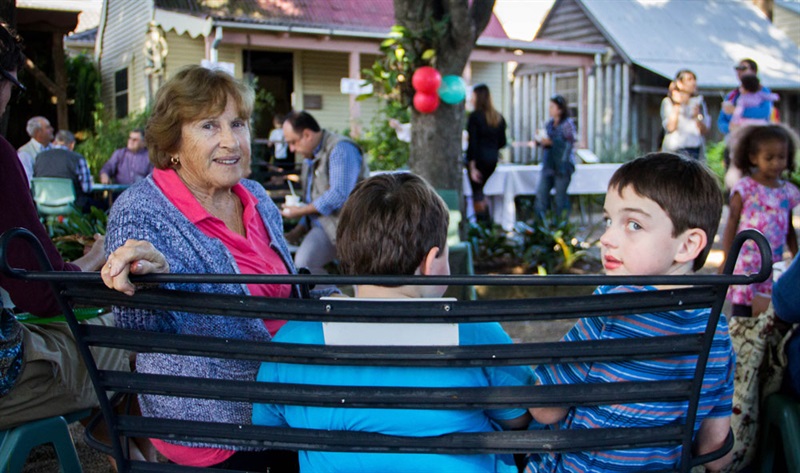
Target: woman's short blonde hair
{"points": [[191, 94]]}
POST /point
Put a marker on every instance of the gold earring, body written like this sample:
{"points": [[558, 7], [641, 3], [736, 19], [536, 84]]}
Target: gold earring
{"points": [[175, 160]]}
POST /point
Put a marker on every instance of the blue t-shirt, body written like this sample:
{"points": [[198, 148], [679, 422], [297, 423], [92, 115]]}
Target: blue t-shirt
{"points": [[715, 396], [392, 421]]}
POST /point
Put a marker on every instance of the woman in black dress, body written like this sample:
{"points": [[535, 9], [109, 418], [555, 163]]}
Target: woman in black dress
{"points": [[487, 134]]}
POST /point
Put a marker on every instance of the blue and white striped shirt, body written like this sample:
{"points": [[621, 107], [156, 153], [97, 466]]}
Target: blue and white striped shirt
{"points": [[715, 397]]}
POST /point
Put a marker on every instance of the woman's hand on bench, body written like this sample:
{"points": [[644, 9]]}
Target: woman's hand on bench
{"points": [[134, 257]]}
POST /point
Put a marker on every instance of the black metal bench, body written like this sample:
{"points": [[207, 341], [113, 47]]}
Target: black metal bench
{"points": [[698, 291]]}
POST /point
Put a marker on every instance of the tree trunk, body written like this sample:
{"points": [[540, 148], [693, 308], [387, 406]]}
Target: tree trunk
{"points": [[435, 152]]}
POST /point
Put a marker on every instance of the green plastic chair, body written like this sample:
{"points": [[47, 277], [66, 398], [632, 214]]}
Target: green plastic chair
{"points": [[460, 251], [53, 195], [17, 442], [450, 197], [780, 428]]}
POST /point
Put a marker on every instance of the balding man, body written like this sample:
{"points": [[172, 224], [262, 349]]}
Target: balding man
{"points": [[41, 133]]}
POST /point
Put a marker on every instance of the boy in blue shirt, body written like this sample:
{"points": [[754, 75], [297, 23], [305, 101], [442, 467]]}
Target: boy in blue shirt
{"points": [[394, 224], [661, 213]]}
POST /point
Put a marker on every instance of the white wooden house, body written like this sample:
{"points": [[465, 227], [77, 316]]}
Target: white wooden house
{"points": [[645, 42]]}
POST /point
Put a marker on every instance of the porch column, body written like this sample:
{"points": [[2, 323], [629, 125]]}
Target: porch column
{"points": [[355, 107], [517, 106], [582, 121], [626, 106], [59, 65], [616, 114]]}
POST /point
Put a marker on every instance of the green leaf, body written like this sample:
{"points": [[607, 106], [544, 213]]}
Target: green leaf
{"points": [[428, 54], [388, 42]]}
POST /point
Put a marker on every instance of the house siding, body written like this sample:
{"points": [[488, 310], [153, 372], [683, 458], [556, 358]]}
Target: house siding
{"points": [[183, 51], [788, 21], [122, 40], [568, 22], [320, 73]]}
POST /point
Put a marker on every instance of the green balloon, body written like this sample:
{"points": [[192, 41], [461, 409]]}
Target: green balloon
{"points": [[453, 89]]}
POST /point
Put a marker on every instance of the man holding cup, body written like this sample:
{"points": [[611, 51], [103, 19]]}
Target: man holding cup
{"points": [[332, 165]]}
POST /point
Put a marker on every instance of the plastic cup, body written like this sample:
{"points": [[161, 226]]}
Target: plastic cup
{"points": [[292, 200]]}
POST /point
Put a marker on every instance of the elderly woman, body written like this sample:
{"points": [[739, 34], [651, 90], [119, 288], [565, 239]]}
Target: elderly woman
{"points": [[197, 211]]}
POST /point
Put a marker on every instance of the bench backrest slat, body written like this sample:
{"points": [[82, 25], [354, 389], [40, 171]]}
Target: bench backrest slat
{"points": [[706, 291]]}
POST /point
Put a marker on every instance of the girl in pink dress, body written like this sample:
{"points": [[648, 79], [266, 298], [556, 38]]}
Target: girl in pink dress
{"points": [[762, 200]]}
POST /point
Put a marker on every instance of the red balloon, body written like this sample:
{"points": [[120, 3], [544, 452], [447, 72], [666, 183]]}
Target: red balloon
{"points": [[426, 103], [426, 80]]}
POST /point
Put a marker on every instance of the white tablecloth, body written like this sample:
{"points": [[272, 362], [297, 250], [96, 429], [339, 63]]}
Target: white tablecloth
{"points": [[511, 180]]}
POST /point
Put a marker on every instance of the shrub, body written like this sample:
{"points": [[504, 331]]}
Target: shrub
{"points": [[71, 234], [549, 245], [98, 145], [714, 159], [385, 152]]}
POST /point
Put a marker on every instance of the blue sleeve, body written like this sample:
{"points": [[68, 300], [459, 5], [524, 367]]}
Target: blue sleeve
{"points": [[785, 296], [268, 414], [344, 166], [724, 122]]}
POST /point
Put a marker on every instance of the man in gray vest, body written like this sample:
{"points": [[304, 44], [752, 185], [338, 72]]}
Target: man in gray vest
{"points": [[332, 165]]}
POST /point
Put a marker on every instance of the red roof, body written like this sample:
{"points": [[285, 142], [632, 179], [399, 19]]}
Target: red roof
{"points": [[354, 15]]}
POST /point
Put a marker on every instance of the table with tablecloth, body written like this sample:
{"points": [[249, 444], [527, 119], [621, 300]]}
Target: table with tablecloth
{"points": [[511, 180]]}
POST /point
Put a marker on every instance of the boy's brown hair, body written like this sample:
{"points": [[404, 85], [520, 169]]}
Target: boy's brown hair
{"points": [[388, 225], [749, 138], [685, 188]]}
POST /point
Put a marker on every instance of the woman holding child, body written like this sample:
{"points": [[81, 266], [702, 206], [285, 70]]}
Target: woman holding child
{"points": [[197, 210]]}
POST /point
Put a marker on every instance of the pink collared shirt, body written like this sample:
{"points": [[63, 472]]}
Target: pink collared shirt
{"points": [[252, 254]]}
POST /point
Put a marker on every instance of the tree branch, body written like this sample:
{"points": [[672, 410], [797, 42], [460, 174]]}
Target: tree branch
{"points": [[461, 27], [481, 13]]}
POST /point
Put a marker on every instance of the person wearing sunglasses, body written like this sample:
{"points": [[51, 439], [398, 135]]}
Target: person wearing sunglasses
{"points": [[764, 111]]}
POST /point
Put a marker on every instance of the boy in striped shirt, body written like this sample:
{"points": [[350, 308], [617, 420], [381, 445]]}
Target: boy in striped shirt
{"points": [[661, 213]]}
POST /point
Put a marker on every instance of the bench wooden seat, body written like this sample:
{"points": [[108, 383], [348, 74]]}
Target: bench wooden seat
{"points": [[697, 291]]}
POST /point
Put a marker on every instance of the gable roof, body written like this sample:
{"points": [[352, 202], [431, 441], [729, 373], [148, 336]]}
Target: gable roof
{"points": [[375, 16], [708, 37]]}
